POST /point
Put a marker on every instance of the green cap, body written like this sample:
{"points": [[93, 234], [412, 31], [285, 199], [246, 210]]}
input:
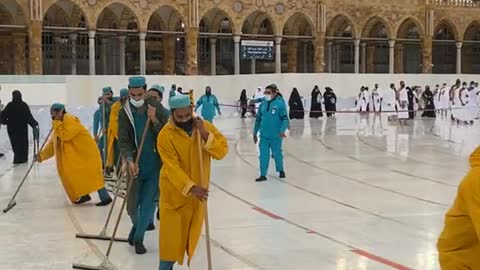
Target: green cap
{"points": [[136, 82], [57, 106], [179, 101], [107, 90], [157, 87], [123, 92]]}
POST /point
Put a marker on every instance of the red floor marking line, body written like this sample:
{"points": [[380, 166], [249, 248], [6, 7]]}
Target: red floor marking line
{"points": [[266, 213], [380, 259]]}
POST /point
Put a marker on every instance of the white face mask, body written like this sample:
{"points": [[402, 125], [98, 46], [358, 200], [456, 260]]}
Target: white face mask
{"points": [[268, 97], [137, 103]]}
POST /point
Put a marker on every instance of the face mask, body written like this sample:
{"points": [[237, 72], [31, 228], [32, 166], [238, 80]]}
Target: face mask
{"points": [[186, 126], [268, 97], [209, 93], [137, 103]]}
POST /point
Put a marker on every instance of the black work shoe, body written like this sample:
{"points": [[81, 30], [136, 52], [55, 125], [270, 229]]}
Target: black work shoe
{"points": [[282, 174], [104, 203], [140, 248], [2, 155], [151, 227], [261, 179], [83, 199], [158, 214]]}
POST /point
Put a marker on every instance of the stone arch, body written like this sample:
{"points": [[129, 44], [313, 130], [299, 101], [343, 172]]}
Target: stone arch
{"points": [[65, 13], [9, 13], [166, 17], [259, 22], [446, 25], [214, 19], [472, 32], [298, 24], [377, 27], [117, 15], [471, 48], [122, 10], [408, 27], [341, 26]]}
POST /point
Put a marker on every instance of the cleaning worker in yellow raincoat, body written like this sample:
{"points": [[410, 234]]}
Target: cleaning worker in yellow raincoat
{"points": [[459, 243], [78, 158], [182, 195], [112, 150]]}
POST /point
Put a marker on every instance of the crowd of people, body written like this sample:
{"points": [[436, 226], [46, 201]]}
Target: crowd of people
{"points": [[404, 102]]}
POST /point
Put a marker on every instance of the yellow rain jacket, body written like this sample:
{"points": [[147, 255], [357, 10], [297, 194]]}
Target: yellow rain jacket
{"points": [[78, 158], [182, 214], [113, 132], [459, 243]]}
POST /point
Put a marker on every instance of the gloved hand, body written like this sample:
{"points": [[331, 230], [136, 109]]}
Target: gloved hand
{"points": [[36, 133]]}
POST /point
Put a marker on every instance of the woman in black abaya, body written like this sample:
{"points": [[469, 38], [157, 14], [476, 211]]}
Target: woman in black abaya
{"points": [[330, 100], [17, 116], [316, 107], [296, 105], [427, 97]]}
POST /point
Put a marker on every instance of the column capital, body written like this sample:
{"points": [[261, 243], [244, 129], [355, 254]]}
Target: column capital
{"points": [[391, 43], [363, 45], [213, 41], [142, 35], [459, 45], [356, 42], [73, 36], [278, 40], [237, 38], [91, 34]]}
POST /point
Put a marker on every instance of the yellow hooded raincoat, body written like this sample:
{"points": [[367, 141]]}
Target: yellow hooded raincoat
{"points": [[459, 243], [182, 214], [78, 158], [113, 132]]}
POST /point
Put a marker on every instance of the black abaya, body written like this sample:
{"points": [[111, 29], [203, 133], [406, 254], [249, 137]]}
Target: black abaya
{"points": [[296, 105], [330, 102], [429, 105], [17, 116], [411, 100], [316, 107]]}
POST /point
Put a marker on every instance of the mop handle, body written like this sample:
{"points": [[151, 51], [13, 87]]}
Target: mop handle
{"points": [[205, 205], [12, 200], [129, 184]]}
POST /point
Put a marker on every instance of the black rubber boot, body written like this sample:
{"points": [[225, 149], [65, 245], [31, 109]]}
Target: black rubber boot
{"points": [[140, 248], [261, 179], [151, 227], [282, 174], [104, 203], [83, 199]]}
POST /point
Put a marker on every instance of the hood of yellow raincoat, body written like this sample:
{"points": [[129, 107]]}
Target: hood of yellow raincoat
{"points": [[475, 158]]}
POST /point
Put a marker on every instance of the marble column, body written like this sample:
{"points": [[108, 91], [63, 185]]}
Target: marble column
{"points": [[459, 57], [213, 56], [363, 46], [391, 56], [168, 55], [35, 47], [278, 55], [192, 51], [319, 51], [121, 56], [73, 44], [91, 52], [143, 53], [330, 56], [292, 61], [253, 66], [356, 43], [427, 54], [236, 52]]}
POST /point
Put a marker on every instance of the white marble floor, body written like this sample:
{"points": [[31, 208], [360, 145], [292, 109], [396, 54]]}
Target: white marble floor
{"points": [[360, 193]]}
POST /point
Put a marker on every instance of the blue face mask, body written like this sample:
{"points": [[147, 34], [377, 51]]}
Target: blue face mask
{"points": [[268, 97]]}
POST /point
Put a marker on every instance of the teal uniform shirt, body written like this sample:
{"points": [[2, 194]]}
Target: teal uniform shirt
{"points": [[209, 105]]}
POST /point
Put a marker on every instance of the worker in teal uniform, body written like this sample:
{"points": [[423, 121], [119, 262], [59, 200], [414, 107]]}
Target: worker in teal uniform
{"points": [[209, 104], [98, 125], [132, 120], [272, 123]]}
